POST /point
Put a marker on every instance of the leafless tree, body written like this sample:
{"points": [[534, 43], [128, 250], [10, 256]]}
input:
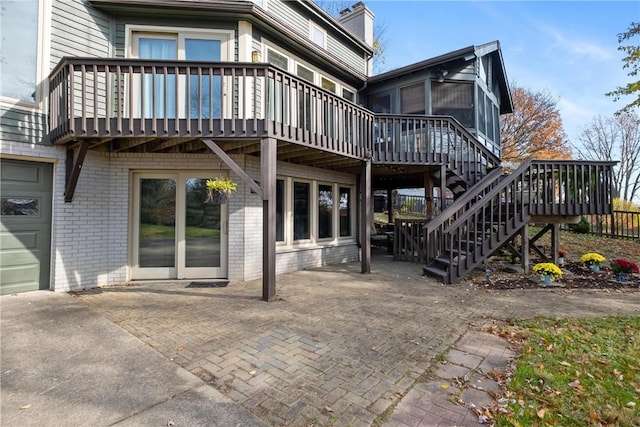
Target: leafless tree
{"points": [[615, 138]]}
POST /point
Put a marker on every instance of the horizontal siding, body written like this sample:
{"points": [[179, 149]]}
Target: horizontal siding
{"points": [[20, 125], [292, 18], [77, 29], [283, 12]]}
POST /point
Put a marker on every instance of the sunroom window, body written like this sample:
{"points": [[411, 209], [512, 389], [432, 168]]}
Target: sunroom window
{"points": [[453, 99]]}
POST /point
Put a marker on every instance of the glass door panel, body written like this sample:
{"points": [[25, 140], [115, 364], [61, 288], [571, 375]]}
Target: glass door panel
{"points": [[203, 227], [155, 237], [205, 92]]}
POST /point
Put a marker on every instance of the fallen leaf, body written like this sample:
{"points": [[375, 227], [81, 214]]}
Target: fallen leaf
{"points": [[595, 417], [574, 384], [328, 408], [252, 372], [26, 406], [444, 386], [541, 413], [565, 363]]}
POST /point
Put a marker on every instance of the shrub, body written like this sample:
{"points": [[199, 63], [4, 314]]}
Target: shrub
{"points": [[583, 227], [624, 266]]}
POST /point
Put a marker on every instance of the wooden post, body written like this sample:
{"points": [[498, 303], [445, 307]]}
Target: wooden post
{"points": [[389, 206], [555, 243], [365, 215], [443, 187], [428, 194], [524, 254], [268, 158]]}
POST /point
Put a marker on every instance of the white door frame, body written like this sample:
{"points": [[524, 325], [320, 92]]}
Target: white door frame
{"points": [[179, 271]]}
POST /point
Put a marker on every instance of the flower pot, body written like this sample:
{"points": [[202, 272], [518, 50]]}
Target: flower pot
{"points": [[622, 277], [546, 279], [561, 260], [217, 197], [594, 267]]}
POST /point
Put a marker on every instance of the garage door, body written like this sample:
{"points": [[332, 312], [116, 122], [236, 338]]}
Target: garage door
{"points": [[25, 225]]}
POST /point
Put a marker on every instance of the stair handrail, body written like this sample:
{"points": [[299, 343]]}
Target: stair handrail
{"points": [[507, 180], [455, 210]]}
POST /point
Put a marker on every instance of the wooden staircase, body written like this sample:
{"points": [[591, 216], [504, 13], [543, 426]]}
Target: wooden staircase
{"points": [[494, 211]]}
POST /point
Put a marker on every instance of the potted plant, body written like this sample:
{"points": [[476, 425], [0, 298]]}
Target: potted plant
{"points": [[592, 260], [548, 270], [623, 268], [220, 189], [562, 254]]}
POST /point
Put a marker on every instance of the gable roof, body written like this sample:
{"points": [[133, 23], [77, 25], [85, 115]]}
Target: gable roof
{"points": [[465, 54]]}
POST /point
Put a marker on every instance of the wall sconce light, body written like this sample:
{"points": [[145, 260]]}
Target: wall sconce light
{"points": [[441, 75], [255, 56]]}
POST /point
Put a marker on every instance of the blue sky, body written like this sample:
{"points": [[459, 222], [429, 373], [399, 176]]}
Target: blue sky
{"points": [[567, 48]]}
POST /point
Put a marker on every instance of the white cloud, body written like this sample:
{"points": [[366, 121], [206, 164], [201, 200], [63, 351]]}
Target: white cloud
{"points": [[577, 47]]}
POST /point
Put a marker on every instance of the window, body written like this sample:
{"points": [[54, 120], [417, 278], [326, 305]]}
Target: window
{"points": [[19, 32], [277, 59], [348, 95], [159, 96], [280, 210], [381, 103], [301, 210], [318, 36], [482, 117], [453, 99], [328, 85], [412, 99], [345, 211], [305, 73], [325, 211]]}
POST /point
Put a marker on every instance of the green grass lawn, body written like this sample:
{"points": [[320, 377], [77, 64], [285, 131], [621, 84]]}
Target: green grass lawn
{"points": [[575, 372], [153, 230]]}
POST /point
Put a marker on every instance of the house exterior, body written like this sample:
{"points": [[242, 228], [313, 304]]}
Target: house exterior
{"points": [[114, 114]]}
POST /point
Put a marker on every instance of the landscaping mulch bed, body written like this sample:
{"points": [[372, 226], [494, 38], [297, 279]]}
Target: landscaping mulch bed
{"points": [[575, 276]]}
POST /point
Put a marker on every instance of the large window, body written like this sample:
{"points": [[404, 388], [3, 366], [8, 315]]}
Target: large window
{"points": [[280, 209], [301, 211], [325, 211], [345, 211], [453, 99], [160, 96], [308, 212], [19, 59]]}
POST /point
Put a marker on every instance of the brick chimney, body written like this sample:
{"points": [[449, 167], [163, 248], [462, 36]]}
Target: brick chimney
{"points": [[358, 20]]}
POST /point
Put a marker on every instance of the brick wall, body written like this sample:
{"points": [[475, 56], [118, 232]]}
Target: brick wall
{"points": [[91, 236]]}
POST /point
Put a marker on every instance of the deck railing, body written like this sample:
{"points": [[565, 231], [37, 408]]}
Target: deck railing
{"points": [[619, 224], [111, 98], [431, 140]]}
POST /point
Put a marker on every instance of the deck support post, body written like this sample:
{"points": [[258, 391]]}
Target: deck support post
{"points": [[389, 205], [365, 215], [524, 254], [428, 194], [268, 159], [443, 187], [74, 164], [555, 243]]}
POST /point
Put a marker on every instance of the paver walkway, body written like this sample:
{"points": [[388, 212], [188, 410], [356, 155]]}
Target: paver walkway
{"points": [[337, 347]]}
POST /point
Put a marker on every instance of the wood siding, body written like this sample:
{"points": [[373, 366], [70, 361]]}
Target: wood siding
{"points": [[22, 125], [77, 29]]}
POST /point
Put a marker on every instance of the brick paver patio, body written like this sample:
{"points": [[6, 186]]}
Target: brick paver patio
{"points": [[336, 347]]}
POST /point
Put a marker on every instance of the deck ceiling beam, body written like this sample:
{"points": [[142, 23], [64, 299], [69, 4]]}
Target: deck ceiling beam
{"points": [[128, 144]]}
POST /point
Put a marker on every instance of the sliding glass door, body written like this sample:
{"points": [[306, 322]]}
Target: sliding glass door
{"points": [[177, 234]]}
